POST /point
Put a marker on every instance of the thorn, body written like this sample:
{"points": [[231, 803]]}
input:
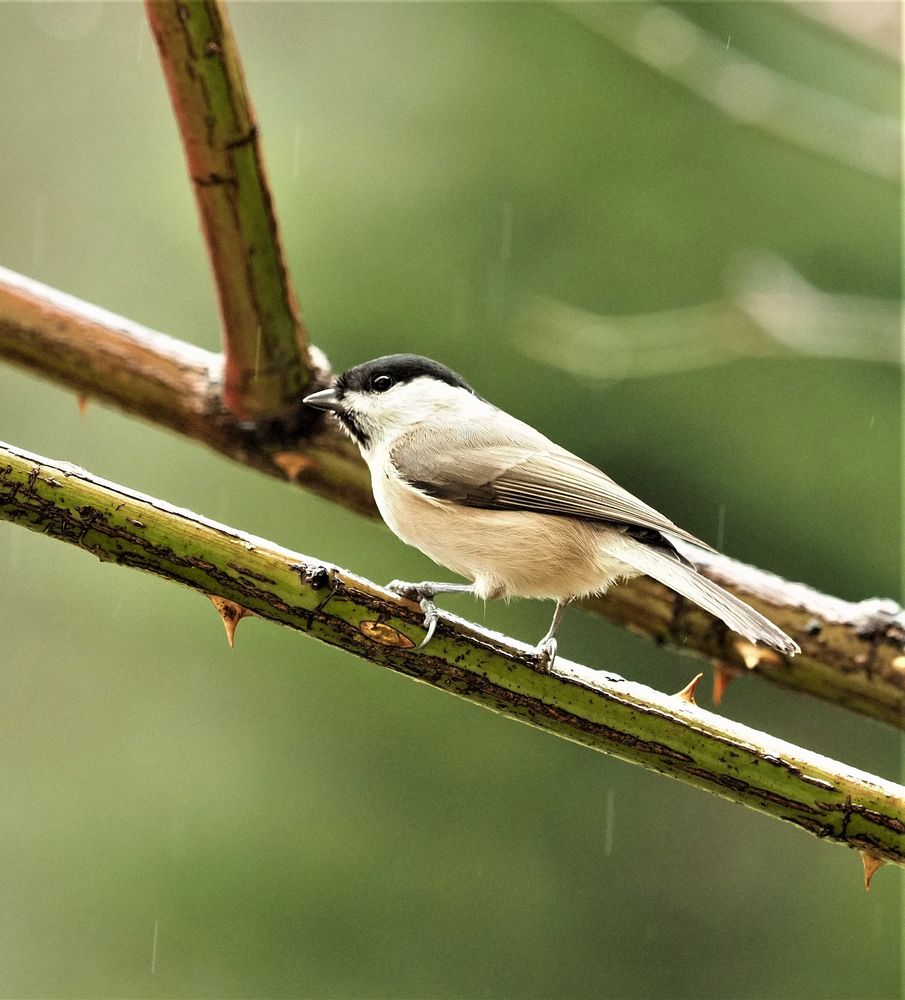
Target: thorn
{"points": [[723, 675], [871, 863], [82, 400], [687, 692], [231, 613], [385, 634], [756, 656], [292, 463]]}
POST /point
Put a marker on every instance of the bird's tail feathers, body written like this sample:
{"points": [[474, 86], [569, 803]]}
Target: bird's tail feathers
{"points": [[708, 595]]}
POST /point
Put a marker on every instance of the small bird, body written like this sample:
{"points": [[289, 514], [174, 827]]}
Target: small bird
{"points": [[495, 501]]}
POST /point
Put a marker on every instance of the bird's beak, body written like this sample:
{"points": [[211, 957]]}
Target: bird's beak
{"points": [[326, 399]]}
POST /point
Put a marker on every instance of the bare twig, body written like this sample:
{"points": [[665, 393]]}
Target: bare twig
{"points": [[171, 383], [876, 26], [667, 734], [852, 654], [746, 90], [768, 310], [265, 345]]}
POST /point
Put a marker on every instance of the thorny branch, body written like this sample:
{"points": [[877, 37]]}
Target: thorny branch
{"points": [[246, 404], [665, 733], [171, 383], [852, 654]]}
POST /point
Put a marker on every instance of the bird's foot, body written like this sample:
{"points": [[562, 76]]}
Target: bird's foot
{"points": [[416, 592], [422, 594], [545, 652], [431, 617]]}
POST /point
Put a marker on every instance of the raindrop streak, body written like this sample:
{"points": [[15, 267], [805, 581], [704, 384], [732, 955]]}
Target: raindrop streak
{"points": [[140, 48], [506, 233], [13, 548], [40, 229], [497, 269], [608, 826], [728, 40], [296, 151], [720, 527], [154, 951]]}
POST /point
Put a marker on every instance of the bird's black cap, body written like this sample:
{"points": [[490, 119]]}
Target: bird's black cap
{"points": [[400, 368]]}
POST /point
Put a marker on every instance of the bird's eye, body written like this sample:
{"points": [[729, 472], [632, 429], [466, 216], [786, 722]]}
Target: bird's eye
{"points": [[380, 383]]}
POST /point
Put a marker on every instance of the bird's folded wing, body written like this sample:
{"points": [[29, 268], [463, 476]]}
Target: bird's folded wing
{"points": [[514, 477]]}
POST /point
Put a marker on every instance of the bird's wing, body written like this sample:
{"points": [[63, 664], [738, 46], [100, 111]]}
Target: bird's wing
{"points": [[531, 474]]}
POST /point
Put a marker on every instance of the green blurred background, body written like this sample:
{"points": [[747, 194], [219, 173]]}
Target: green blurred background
{"points": [[536, 195]]}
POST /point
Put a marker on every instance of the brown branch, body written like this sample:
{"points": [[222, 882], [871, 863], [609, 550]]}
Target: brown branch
{"points": [[266, 348], [852, 654], [171, 383], [668, 734]]}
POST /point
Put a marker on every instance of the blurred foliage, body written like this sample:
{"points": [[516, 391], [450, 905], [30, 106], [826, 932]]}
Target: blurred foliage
{"points": [[293, 823]]}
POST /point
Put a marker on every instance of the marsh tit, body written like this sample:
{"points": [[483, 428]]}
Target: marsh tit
{"points": [[495, 501]]}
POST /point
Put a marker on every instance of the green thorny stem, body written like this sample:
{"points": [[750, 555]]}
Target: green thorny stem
{"points": [[596, 709]]}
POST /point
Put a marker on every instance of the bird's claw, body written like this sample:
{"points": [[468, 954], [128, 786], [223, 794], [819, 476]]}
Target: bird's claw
{"points": [[545, 653], [423, 596], [431, 617]]}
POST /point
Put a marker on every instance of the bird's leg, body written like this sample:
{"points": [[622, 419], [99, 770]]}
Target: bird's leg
{"points": [[546, 648], [424, 593]]}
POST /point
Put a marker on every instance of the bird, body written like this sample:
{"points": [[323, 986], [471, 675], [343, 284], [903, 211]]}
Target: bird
{"points": [[491, 498]]}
